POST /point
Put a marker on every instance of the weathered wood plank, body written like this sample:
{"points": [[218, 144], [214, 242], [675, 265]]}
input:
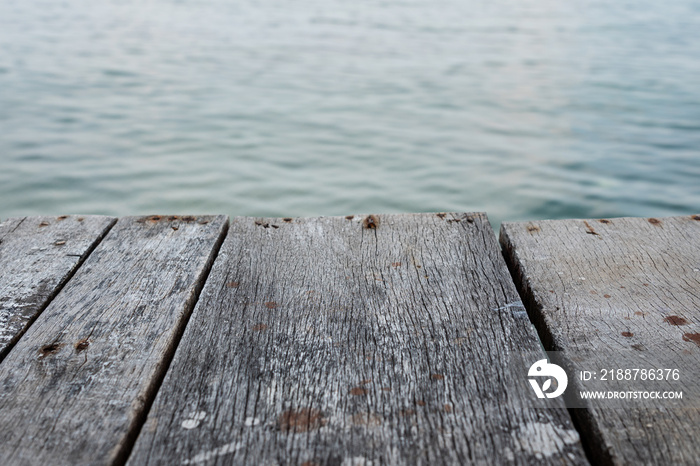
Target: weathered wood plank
{"points": [[619, 293], [357, 340], [76, 386], [37, 256]]}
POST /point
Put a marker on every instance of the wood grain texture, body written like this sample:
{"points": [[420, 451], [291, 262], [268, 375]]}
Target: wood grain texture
{"points": [[76, 386], [358, 340], [623, 293], [37, 256]]}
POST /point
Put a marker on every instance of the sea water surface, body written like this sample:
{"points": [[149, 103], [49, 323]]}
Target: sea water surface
{"points": [[526, 109]]}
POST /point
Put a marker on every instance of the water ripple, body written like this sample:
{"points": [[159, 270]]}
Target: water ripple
{"points": [[525, 109]]}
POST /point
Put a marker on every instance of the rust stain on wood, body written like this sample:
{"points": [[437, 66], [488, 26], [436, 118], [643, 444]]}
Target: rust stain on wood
{"points": [[676, 320], [49, 349], [371, 222], [589, 229], [694, 337], [82, 345], [366, 419], [300, 420]]}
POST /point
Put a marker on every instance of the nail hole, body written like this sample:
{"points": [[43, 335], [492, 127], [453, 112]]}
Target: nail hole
{"points": [[371, 222]]}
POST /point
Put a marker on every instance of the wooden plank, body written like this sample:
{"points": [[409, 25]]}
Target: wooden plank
{"points": [[357, 340], [619, 293], [37, 256], [76, 386]]}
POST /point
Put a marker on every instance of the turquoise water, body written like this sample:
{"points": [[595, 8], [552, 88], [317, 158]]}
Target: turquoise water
{"points": [[525, 109]]}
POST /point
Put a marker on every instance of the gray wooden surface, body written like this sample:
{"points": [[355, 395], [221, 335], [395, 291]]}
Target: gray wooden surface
{"points": [[76, 386], [623, 293], [382, 339], [37, 256]]}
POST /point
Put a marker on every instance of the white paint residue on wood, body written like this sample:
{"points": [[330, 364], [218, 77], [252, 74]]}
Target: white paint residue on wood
{"points": [[208, 455], [509, 305], [544, 439], [356, 461], [252, 421], [194, 420]]}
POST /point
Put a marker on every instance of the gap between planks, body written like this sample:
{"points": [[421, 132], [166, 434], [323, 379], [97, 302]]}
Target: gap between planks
{"points": [[335, 339], [622, 290], [38, 256], [103, 309]]}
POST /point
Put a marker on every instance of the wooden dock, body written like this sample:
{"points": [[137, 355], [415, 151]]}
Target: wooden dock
{"points": [[358, 340]]}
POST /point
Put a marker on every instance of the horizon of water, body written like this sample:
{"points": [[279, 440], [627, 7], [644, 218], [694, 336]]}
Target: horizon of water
{"points": [[523, 109]]}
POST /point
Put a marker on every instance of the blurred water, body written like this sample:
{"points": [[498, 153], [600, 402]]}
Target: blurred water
{"points": [[524, 109]]}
